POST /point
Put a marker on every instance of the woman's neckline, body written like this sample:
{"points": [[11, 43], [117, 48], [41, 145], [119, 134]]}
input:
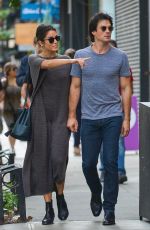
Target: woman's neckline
{"points": [[50, 57]]}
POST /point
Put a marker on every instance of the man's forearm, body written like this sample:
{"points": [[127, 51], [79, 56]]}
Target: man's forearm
{"points": [[73, 100], [126, 102]]}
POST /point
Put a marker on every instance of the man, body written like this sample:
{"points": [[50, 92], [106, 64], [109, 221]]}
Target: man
{"points": [[122, 177], [106, 70]]}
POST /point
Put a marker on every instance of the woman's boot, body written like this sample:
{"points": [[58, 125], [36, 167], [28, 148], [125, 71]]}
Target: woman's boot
{"points": [[49, 216], [62, 207]]}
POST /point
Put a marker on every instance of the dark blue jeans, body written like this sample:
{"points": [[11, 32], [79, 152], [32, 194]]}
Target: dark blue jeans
{"points": [[121, 157], [93, 133]]}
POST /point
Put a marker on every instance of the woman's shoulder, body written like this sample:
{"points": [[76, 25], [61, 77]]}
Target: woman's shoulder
{"points": [[35, 59], [32, 57]]}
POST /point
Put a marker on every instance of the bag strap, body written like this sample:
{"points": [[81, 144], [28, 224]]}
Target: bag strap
{"points": [[27, 89]]}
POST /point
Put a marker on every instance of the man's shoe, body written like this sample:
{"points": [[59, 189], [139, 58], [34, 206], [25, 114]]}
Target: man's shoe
{"points": [[122, 178], [49, 216], [109, 218], [96, 204], [63, 212]]}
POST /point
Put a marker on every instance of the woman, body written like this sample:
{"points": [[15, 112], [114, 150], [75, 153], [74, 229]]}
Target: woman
{"points": [[47, 153], [11, 98]]}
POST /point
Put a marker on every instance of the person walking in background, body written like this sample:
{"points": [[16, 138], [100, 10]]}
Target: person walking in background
{"points": [[12, 97], [102, 118], [46, 156], [122, 177], [27, 78], [76, 135], [21, 74]]}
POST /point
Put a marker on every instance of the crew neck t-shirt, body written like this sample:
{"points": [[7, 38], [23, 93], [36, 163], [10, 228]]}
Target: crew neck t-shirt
{"points": [[100, 97]]}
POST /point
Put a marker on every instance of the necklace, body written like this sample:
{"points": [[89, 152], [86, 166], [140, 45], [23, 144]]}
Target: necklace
{"points": [[49, 57]]}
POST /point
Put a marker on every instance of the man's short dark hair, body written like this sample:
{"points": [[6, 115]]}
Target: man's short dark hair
{"points": [[95, 20]]}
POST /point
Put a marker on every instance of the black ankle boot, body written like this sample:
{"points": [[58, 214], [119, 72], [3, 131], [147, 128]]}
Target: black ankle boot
{"points": [[49, 216], [62, 207]]}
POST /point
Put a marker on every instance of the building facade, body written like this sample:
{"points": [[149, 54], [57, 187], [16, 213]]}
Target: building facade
{"points": [[128, 36]]}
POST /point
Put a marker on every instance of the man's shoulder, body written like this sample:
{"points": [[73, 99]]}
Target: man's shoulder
{"points": [[118, 51], [83, 51]]}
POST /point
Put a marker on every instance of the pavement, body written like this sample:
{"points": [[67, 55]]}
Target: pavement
{"points": [[78, 198]]}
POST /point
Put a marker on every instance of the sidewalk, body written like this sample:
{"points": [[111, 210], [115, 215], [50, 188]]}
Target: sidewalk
{"points": [[78, 198]]}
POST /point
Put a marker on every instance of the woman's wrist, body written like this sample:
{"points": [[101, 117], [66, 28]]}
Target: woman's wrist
{"points": [[73, 61]]}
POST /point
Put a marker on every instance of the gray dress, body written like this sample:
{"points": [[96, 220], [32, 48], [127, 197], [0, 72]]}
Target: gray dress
{"points": [[47, 153]]}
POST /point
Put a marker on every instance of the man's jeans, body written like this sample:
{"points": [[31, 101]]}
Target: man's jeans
{"points": [[93, 133], [121, 157]]}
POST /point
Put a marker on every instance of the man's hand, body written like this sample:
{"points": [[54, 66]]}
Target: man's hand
{"points": [[125, 128], [72, 124]]}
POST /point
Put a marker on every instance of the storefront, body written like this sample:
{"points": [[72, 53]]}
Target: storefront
{"points": [[74, 21], [35, 12]]}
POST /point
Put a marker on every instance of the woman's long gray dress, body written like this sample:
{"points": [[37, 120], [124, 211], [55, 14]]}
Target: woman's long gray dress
{"points": [[47, 153]]}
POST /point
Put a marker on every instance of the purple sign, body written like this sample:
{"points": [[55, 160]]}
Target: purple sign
{"points": [[132, 140]]}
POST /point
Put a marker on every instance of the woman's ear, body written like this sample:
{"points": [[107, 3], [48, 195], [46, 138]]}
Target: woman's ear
{"points": [[93, 32], [41, 44]]}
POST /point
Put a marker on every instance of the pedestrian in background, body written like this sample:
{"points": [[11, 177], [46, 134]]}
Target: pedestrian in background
{"points": [[23, 68], [76, 135], [102, 113], [27, 78], [12, 96], [46, 157]]}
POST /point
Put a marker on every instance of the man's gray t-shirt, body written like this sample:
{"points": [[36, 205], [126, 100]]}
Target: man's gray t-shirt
{"points": [[100, 97]]}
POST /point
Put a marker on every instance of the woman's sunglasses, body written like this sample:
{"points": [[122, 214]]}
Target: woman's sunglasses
{"points": [[52, 39], [104, 28]]}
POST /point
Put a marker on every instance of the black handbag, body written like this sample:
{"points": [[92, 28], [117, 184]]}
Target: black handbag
{"points": [[22, 127]]}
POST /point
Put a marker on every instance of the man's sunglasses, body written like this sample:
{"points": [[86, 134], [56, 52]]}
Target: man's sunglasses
{"points": [[104, 28], [52, 39]]}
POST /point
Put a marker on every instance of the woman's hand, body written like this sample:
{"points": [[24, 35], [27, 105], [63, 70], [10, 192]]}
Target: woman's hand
{"points": [[81, 61], [23, 96]]}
